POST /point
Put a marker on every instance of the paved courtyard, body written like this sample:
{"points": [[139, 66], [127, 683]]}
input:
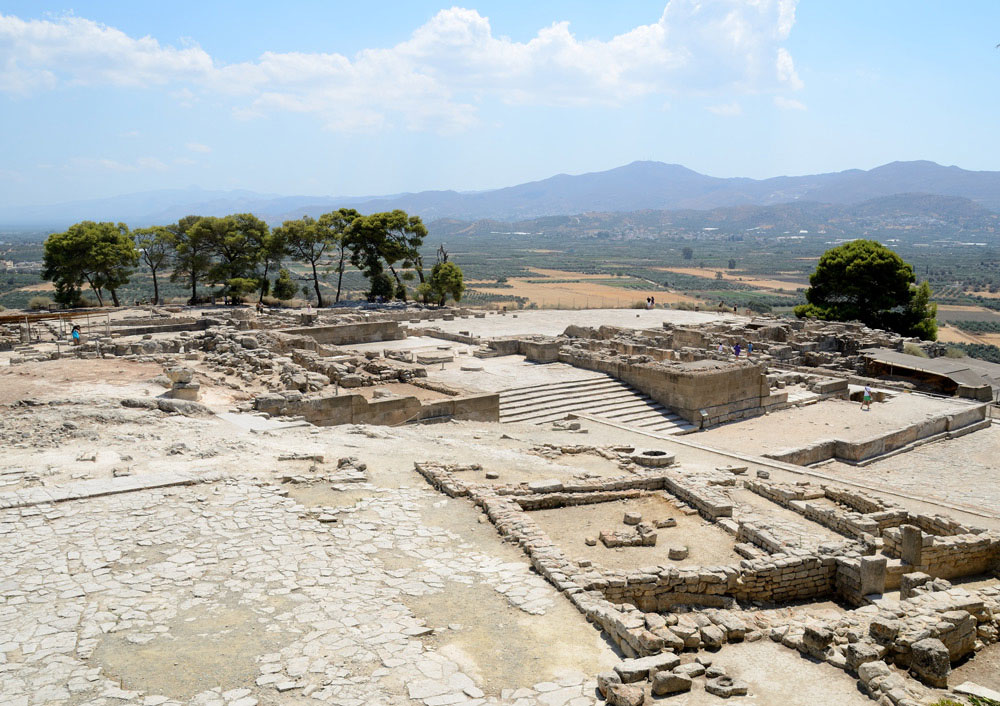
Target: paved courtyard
{"points": [[230, 593]]}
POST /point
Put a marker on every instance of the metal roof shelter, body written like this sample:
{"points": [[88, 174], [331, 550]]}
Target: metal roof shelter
{"points": [[948, 373]]}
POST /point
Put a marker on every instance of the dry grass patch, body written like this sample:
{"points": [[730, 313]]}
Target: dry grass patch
{"points": [[737, 276]]}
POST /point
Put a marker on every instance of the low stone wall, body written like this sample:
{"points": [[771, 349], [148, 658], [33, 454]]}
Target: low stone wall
{"points": [[351, 333], [862, 450], [933, 544], [710, 503], [433, 332], [924, 634], [853, 524], [355, 409], [151, 326], [951, 556]]}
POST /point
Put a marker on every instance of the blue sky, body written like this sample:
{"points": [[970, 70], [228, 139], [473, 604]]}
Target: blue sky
{"points": [[338, 98]]}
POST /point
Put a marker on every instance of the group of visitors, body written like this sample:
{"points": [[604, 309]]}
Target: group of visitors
{"points": [[650, 302], [738, 349]]}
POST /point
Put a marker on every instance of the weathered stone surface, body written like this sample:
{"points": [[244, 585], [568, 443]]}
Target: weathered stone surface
{"points": [[712, 636], [726, 686], [859, 653], [633, 670], [870, 671], [180, 375], [604, 679], [929, 662], [670, 683], [817, 638], [625, 695], [692, 669]]}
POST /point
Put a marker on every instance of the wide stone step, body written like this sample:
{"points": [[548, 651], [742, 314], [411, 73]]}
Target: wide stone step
{"points": [[601, 406], [542, 393], [598, 395], [556, 385], [600, 399], [608, 396]]}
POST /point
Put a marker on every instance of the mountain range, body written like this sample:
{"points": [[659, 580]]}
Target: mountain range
{"points": [[634, 187], [906, 217]]}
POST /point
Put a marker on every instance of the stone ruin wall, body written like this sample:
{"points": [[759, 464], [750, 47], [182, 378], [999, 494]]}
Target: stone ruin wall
{"points": [[356, 409], [351, 333], [855, 452], [704, 397], [932, 627]]}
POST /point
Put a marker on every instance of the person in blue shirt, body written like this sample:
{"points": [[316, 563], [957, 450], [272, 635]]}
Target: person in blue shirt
{"points": [[76, 334]]}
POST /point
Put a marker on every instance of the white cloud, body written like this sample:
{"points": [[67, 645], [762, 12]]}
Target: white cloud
{"points": [[788, 103], [729, 110], [38, 54], [440, 75], [198, 147]]}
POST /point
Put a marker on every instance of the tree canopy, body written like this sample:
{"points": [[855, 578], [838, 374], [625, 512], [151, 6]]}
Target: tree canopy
{"points": [[384, 240], [241, 253], [446, 281], [865, 281], [100, 254], [192, 256], [154, 245]]}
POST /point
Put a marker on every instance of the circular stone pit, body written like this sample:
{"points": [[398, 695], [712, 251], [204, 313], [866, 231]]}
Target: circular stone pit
{"points": [[652, 458]]}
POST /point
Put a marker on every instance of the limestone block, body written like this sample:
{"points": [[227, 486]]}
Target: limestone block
{"points": [[911, 544], [181, 375], [624, 694], [606, 679], [671, 683], [863, 652], [929, 662], [694, 669], [351, 381], [712, 636], [869, 671], [884, 629], [817, 638], [911, 581], [726, 686], [633, 670], [873, 571], [545, 486]]}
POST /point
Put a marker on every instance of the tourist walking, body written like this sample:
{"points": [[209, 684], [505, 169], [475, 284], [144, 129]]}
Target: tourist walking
{"points": [[866, 401]]}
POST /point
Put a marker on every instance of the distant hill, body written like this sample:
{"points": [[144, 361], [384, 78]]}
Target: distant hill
{"points": [[902, 216], [633, 187]]}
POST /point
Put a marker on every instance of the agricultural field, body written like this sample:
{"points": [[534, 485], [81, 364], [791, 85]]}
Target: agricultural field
{"points": [[766, 274]]}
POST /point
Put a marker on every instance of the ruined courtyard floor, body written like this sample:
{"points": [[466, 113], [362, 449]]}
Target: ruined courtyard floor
{"points": [[828, 419], [233, 575]]}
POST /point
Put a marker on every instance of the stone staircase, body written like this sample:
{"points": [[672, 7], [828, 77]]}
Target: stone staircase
{"points": [[596, 394]]}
